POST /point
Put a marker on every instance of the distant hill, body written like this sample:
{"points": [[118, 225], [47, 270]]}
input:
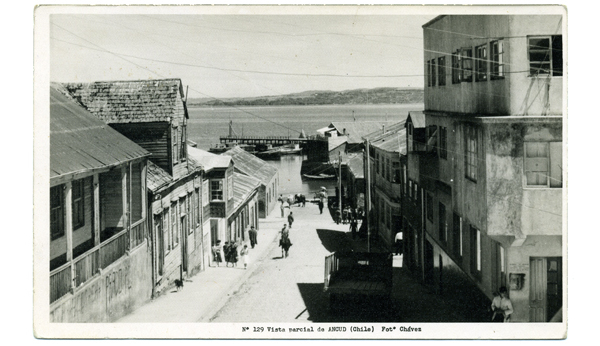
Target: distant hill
{"points": [[320, 97]]}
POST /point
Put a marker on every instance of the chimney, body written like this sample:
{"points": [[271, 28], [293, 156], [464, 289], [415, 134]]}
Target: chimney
{"points": [[383, 128]]}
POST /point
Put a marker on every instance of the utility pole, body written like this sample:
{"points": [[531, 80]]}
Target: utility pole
{"points": [[340, 181], [368, 199]]}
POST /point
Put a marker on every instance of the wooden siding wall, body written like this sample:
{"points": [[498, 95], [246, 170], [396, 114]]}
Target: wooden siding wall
{"points": [[136, 192], [154, 137]]}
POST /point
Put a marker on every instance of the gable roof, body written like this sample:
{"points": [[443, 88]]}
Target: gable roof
{"points": [[80, 142], [207, 159], [355, 130], [384, 131], [131, 101], [243, 187], [158, 178], [251, 165], [356, 165], [394, 141], [417, 118]]}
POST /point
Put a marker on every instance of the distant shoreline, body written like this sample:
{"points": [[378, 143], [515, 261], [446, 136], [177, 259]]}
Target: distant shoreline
{"points": [[309, 105]]}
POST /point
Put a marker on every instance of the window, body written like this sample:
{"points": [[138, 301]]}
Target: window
{"points": [[443, 148], [197, 206], [77, 203], [471, 153], [388, 170], [175, 146], [205, 192], [433, 72], [497, 56], [481, 63], [57, 220], [416, 192], [442, 70], [456, 67], [216, 190], [543, 164], [377, 163], [175, 236], [475, 257], [410, 189], [466, 65], [396, 169], [443, 226], [167, 234], [545, 55]]}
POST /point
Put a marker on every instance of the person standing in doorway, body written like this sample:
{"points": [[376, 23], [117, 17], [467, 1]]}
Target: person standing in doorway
{"points": [[290, 219]]}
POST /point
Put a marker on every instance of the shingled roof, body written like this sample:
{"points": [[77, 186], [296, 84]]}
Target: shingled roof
{"points": [[251, 165], [131, 101], [80, 142], [243, 187]]}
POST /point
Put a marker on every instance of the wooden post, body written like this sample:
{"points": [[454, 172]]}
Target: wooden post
{"points": [[125, 218], [96, 221], [69, 228]]}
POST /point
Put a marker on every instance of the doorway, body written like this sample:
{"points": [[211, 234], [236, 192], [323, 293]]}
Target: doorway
{"points": [[545, 292]]}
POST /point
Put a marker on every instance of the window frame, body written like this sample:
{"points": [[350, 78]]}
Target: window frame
{"points": [[481, 57], [218, 191], [78, 203], [497, 59], [441, 70], [471, 153], [57, 211], [175, 146], [433, 72], [442, 223], [456, 67], [552, 69], [475, 249], [466, 65], [529, 161]]}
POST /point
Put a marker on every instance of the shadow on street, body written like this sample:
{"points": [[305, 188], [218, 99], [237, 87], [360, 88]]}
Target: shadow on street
{"points": [[334, 240]]}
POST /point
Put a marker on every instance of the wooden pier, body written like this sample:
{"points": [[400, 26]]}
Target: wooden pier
{"points": [[274, 140]]}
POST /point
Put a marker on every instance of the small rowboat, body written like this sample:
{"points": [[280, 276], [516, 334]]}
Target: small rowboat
{"points": [[320, 176]]}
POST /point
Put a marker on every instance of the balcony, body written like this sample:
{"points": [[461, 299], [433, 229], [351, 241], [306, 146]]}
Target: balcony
{"points": [[86, 266]]}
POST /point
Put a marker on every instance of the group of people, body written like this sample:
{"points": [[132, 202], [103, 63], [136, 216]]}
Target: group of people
{"points": [[229, 252]]}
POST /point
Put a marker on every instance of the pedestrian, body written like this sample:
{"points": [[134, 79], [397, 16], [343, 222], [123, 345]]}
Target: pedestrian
{"points": [[217, 253], [290, 219], [353, 228], [321, 206], [247, 234], [505, 304], [285, 242], [227, 253], [282, 208], [244, 255], [280, 199], [345, 216], [303, 200], [233, 253], [497, 315], [252, 233], [338, 216], [398, 242]]}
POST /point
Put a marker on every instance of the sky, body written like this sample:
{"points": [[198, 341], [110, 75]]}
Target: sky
{"points": [[233, 55]]}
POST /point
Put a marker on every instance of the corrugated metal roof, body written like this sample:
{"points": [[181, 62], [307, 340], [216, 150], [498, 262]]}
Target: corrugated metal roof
{"points": [[334, 142], [394, 141], [131, 101], [356, 130], [208, 160], [356, 165], [243, 187], [373, 136], [417, 118], [251, 165], [80, 142]]}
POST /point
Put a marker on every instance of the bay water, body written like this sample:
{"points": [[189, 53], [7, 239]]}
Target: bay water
{"points": [[207, 124]]}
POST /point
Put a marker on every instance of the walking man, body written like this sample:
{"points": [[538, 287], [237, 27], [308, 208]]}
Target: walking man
{"points": [[282, 209], [290, 219], [321, 206], [252, 234]]}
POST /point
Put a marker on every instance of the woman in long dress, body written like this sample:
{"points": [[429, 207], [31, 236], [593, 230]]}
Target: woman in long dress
{"points": [[217, 254]]}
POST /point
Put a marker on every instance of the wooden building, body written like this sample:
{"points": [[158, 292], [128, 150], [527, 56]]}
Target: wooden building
{"points": [[99, 247], [387, 152], [267, 174], [153, 114]]}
